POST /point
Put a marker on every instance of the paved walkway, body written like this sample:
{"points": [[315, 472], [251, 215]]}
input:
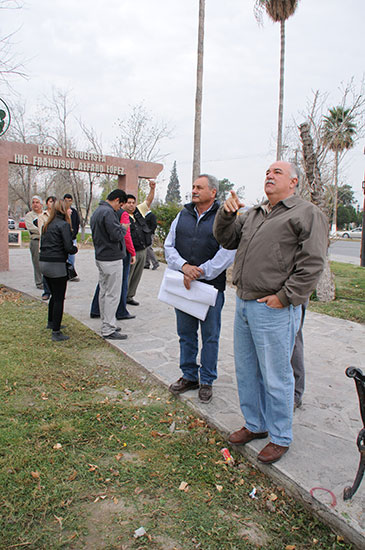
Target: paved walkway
{"points": [[324, 452]]}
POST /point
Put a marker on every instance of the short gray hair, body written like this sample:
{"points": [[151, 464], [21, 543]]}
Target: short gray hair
{"points": [[294, 170], [212, 181], [38, 197]]}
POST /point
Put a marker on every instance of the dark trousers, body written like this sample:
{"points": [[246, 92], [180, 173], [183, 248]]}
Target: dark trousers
{"points": [[297, 360], [122, 309], [46, 289], [55, 307]]}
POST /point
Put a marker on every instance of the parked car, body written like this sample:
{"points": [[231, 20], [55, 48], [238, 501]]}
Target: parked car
{"points": [[350, 233], [11, 224], [21, 224]]}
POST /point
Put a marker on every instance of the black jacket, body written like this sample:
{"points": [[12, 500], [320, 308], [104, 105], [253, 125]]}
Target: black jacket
{"points": [[140, 232], [108, 234], [151, 221], [75, 222], [56, 241]]}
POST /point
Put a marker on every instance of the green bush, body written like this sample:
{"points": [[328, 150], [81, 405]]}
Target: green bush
{"points": [[165, 214]]}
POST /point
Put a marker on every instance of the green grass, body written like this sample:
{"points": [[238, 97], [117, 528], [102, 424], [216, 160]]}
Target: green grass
{"points": [[88, 454], [350, 294]]}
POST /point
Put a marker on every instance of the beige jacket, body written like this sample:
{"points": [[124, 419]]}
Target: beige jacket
{"points": [[280, 253], [33, 229]]}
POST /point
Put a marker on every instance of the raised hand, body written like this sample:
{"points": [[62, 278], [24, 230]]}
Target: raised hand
{"points": [[233, 203]]}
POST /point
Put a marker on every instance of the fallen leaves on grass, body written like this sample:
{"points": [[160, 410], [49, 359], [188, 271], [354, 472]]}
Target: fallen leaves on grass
{"points": [[100, 497], [184, 486], [196, 423], [7, 295], [154, 433]]}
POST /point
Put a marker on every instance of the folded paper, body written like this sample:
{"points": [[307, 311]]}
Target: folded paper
{"points": [[195, 301]]}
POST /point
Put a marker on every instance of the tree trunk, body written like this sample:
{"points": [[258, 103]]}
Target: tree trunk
{"points": [[199, 93], [326, 285], [311, 168], [279, 145], [335, 194]]}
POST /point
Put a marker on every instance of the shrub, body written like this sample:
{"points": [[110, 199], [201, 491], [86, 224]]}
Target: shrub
{"points": [[165, 214]]}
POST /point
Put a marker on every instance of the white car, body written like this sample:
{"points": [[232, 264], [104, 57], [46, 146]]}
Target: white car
{"points": [[11, 224], [350, 233]]}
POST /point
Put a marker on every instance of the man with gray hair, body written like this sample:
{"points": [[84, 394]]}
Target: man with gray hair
{"points": [[281, 249], [37, 209], [191, 248]]}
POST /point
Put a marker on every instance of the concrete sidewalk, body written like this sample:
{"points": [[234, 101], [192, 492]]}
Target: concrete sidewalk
{"points": [[323, 458]]}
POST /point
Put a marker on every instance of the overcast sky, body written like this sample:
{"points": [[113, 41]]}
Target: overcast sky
{"points": [[116, 53]]}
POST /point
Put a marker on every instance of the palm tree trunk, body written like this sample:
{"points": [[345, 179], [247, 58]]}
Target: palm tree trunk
{"points": [[326, 285], [335, 195], [199, 92], [279, 145]]}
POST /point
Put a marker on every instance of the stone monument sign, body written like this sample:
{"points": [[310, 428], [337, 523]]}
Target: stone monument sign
{"points": [[128, 172]]}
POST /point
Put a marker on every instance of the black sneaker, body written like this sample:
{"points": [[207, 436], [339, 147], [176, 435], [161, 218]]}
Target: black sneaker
{"points": [[132, 302], [205, 393], [58, 336], [115, 336], [182, 385]]}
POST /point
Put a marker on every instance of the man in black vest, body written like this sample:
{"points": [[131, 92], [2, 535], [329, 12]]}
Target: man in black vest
{"points": [[141, 237], [191, 248]]}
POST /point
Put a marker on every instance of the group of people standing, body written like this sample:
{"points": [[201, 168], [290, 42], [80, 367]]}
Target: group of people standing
{"points": [[53, 233], [121, 236], [279, 249]]}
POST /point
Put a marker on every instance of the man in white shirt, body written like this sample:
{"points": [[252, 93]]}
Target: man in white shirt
{"points": [[191, 248]]}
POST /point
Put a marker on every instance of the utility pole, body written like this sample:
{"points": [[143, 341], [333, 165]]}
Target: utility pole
{"points": [[199, 93]]}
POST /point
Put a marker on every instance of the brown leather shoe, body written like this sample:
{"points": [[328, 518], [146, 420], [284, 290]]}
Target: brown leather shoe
{"points": [[271, 453], [243, 436], [182, 385]]}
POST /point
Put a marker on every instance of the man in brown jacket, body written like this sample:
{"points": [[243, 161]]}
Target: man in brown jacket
{"points": [[281, 248]]}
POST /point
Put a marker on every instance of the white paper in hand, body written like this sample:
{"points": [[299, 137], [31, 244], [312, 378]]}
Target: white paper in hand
{"points": [[195, 301]]}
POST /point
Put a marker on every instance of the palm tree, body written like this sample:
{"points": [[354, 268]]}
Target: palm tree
{"points": [[338, 135], [199, 93], [278, 10]]}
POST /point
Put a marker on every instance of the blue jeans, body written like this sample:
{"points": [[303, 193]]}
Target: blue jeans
{"points": [[187, 329], [71, 257], [263, 345], [121, 310]]}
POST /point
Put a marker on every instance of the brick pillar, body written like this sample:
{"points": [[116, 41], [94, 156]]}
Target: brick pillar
{"points": [[129, 182], [4, 247]]}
